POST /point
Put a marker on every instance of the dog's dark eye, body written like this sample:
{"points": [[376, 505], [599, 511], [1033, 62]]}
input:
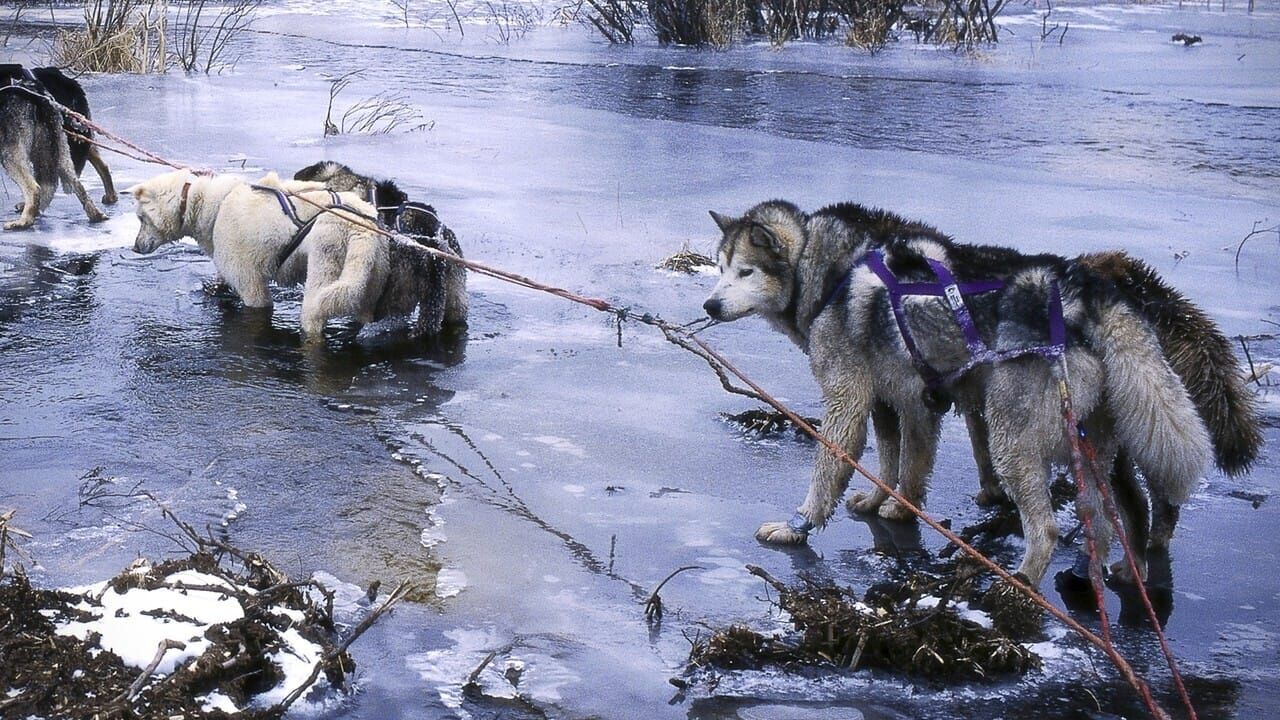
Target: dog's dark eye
{"points": [[745, 273]]}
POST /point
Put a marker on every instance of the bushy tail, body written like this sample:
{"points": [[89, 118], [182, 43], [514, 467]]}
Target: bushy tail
{"points": [[1156, 422], [1198, 352]]}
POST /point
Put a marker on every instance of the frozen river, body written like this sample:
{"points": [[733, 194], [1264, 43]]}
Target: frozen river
{"points": [[538, 478]]}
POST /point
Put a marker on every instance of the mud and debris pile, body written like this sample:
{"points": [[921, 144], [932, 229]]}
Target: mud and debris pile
{"points": [[184, 638], [766, 421], [687, 262], [925, 626]]}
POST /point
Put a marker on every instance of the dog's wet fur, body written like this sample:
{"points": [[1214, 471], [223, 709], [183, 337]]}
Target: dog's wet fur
{"points": [[1143, 396], [447, 281], [37, 153], [348, 270]]}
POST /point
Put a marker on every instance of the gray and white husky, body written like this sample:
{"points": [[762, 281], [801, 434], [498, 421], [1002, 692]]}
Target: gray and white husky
{"points": [[824, 279]]}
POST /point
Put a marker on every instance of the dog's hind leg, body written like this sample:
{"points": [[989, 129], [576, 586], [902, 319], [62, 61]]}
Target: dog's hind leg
{"points": [[919, 433], [1132, 507], [889, 449], [1025, 432], [990, 492], [70, 182], [109, 196]]}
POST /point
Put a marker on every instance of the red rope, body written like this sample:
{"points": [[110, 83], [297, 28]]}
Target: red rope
{"points": [[1114, 513]]}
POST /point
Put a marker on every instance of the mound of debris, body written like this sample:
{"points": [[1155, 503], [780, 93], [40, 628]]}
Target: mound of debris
{"points": [[688, 262], [765, 421], [184, 638], [924, 626]]}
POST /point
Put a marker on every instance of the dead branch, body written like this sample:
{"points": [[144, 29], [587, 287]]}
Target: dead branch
{"points": [[165, 646], [653, 606], [402, 590], [1255, 231]]}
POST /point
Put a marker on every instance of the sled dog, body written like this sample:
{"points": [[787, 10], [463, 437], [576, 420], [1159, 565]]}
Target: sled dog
{"points": [[34, 146], [278, 231], [413, 219], [69, 93], [847, 283]]}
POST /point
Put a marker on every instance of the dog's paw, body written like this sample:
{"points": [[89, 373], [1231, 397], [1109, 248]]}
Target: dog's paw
{"points": [[891, 509], [97, 216], [110, 199], [990, 497], [864, 503], [780, 533], [19, 224], [1119, 572]]}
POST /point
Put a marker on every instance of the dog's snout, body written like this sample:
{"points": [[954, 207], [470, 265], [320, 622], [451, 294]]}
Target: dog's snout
{"points": [[713, 308]]}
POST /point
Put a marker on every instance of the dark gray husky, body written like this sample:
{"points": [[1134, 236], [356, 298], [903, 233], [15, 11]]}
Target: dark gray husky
{"points": [[34, 144], [899, 321], [416, 220]]}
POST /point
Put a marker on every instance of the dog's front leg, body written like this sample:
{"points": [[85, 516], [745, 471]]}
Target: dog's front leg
{"points": [[109, 196], [845, 424]]}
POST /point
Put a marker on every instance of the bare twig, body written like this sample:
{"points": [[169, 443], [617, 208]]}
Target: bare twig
{"points": [[165, 646], [1256, 231], [653, 606], [402, 590]]}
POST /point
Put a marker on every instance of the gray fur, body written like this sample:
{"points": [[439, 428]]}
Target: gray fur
{"points": [[780, 263]]}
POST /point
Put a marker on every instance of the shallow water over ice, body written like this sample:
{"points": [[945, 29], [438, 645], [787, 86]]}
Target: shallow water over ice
{"points": [[536, 478]]}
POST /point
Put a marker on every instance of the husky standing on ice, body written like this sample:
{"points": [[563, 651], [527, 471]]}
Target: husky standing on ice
{"points": [[280, 231], [899, 321], [413, 219], [34, 143]]}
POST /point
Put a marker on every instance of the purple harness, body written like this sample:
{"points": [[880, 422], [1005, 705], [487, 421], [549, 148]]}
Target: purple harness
{"points": [[953, 293]]}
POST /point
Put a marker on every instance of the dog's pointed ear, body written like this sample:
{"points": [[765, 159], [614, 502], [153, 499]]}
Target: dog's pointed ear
{"points": [[762, 236], [137, 191], [722, 222]]}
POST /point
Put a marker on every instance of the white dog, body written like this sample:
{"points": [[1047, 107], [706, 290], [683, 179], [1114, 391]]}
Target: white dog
{"points": [[276, 230]]}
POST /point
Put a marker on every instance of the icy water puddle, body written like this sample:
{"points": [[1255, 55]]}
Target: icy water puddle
{"points": [[536, 478]]}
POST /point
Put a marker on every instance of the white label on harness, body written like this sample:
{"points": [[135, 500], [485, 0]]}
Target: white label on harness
{"points": [[954, 298]]}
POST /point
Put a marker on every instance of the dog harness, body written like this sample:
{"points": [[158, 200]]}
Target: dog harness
{"points": [[303, 226], [398, 211], [953, 293]]}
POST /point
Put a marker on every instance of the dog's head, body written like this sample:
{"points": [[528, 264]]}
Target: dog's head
{"points": [[756, 260], [388, 197], [336, 177], [161, 204]]}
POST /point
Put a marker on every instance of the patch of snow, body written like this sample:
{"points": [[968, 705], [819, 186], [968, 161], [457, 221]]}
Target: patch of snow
{"points": [[217, 701], [560, 444], [450, 582], [136, 637]]}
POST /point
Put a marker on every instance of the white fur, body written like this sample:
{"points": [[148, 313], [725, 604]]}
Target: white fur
{"points": [[244, 230]]}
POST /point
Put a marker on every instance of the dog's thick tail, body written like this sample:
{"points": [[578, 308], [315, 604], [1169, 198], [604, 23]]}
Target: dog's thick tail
{"points": [[1155, 420], [1198, 352]]}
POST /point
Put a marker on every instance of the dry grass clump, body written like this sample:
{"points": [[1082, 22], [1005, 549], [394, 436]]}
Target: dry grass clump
{"points": [[890, 628], [119, 36], [686, 261]]}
